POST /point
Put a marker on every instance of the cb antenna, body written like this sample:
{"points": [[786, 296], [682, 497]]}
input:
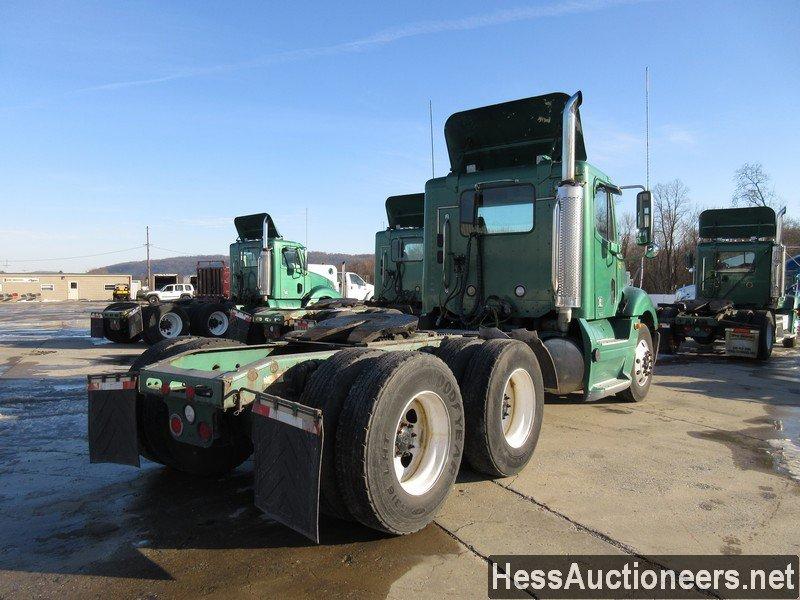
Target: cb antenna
{"points": [[430, 115], [647, 126]]}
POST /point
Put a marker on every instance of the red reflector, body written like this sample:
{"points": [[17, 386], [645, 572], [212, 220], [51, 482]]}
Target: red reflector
{"points": [[189, 392], [204, 431], [741, 330], [165, 388], [176, 425]]}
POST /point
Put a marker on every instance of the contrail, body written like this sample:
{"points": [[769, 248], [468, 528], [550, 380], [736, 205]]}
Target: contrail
{"points": [[381, 38]]}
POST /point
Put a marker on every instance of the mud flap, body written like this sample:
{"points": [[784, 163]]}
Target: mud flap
{"points": [[239, 327], [112, 419], [287, 439], [96, 330]]}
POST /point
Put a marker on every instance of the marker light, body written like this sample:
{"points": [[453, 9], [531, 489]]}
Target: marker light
{"points": [[204, 431], [188, 412], [176, 425]]}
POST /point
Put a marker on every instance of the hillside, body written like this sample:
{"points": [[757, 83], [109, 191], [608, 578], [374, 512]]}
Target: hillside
{"points": [[362, 264]]}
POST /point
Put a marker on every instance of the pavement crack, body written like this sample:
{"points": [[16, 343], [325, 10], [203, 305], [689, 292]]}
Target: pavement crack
{"points": [[475, 551], [627, 549]]}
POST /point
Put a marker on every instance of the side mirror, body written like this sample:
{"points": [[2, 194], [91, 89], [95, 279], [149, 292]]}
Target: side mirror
{"points": [[652, 250], [688, 261], [644, 219]]}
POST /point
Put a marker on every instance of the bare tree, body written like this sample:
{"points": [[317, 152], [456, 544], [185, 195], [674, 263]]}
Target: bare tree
{"points": [[673, 232], [753, 186]]}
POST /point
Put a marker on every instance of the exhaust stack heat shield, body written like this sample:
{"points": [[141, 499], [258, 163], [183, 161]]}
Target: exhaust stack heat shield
{"points": [[569, 245]]}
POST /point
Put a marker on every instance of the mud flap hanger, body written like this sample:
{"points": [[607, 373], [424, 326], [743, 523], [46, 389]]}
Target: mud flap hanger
{"points": [[287, 442]]}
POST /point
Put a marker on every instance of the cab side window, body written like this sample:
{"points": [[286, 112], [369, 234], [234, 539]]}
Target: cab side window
{"points": [[603, 213]]}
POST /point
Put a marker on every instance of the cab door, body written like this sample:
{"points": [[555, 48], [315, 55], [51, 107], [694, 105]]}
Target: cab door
{"points": [[292, 273], [607, 256]]}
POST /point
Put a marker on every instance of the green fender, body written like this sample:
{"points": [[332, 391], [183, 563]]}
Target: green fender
{"points": [[636, 303], [320, 291]]}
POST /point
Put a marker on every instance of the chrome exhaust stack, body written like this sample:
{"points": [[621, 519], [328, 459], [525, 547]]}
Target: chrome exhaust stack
{"points": [[569, 222], [264, 276]]}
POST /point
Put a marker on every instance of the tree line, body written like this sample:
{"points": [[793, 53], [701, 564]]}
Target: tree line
{"points": [[675, 220]]}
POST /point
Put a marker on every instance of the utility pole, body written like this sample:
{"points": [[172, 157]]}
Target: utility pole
{"points": [[149, 270]]}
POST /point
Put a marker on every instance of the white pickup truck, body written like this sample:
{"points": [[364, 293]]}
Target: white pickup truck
{"points": [[354, 286], [173, 291]]}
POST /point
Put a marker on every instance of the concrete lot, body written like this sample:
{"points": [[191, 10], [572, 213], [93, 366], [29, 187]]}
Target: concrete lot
{"points": [[709, 463]]}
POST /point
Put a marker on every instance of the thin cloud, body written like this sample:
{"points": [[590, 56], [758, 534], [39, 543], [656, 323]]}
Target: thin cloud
{"points": [[381, 38], [680, 135]]}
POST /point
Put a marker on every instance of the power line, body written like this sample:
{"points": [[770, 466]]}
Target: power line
{"points": [[72, 257]]}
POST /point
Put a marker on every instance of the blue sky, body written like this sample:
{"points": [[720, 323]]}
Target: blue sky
{"points": [[181, 115]]}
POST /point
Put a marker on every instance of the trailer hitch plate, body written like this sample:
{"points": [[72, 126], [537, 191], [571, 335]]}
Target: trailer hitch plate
{"points": [[287, 438], [112, 419]]}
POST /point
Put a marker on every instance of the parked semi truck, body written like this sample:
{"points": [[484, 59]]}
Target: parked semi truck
{"points": [[740, 286], [366, 416], [231, 299], [399, 254]]}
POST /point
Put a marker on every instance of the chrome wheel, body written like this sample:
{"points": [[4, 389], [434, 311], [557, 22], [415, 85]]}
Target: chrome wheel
{"points": [[421, 443], [643, 367], [519, 407], [170, 325], [218, 323]]}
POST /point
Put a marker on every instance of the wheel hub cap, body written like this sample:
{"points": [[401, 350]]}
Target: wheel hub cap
{"points": [[422, 442], [644, 362]]}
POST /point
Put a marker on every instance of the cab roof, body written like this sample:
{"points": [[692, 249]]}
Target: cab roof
{"points": [[251, 227], [407, 210], [732, 223], [509, 134]]}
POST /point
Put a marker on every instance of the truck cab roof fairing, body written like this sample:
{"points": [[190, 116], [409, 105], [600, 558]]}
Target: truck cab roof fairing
{"points": [[251, 227], [407, 210], [509, 134], [733, 223]]}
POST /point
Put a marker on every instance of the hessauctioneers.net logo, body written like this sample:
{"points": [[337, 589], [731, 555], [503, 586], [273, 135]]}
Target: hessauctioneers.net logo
{"points": [[625, 576]]}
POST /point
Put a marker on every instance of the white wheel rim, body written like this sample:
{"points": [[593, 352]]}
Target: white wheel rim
{"points": [[518, 408], [422, 442], [218, 322], [643, 367], [170, 325]]}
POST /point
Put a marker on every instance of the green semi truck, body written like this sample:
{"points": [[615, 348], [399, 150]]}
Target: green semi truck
{"points": [[740, 283], [264, 291], [399, 254], [366, 416]]}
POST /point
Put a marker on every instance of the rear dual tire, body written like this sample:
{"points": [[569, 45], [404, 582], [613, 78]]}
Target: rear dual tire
{"points": [[503, 394], [389, 479], [164, 322]]}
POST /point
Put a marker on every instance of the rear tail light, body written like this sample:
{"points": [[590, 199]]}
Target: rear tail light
{"points": [[176, 425], [165, 388], [189, 392], [204, 431]]}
